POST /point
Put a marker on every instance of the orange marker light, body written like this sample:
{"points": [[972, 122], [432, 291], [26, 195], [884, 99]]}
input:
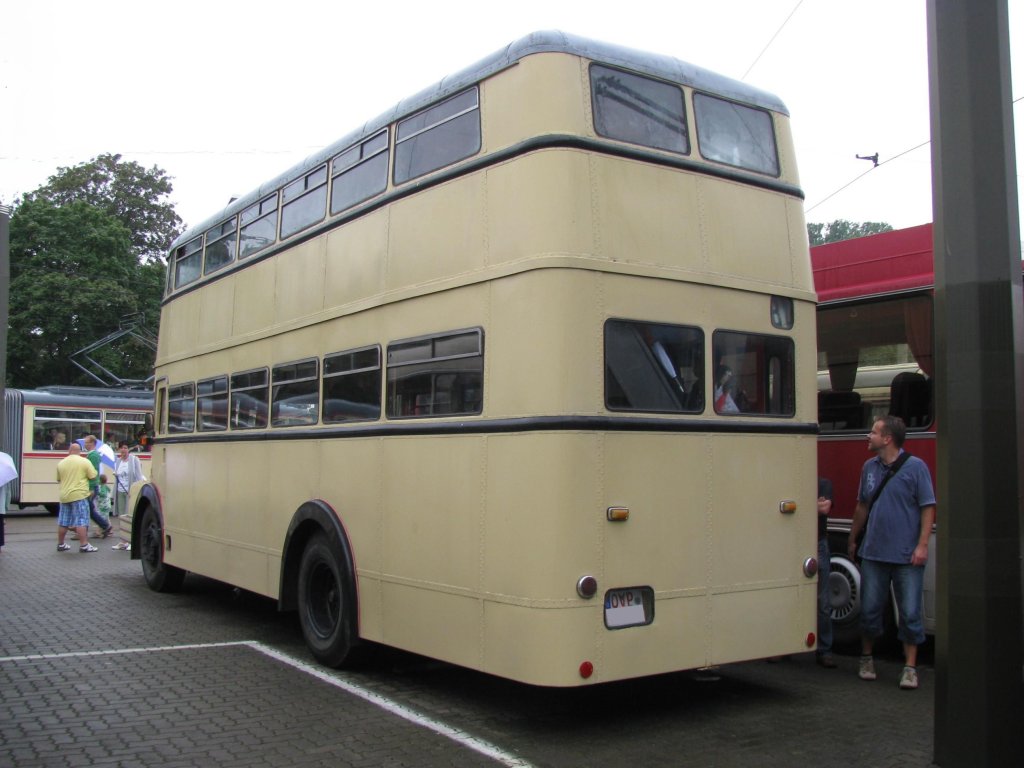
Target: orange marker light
{"points": [[618, 514], [787, 507]]}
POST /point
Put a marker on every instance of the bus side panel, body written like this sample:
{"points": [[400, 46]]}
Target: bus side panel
{"points": [[431, 534], [352, 474], [542, 210], [547, 360], [415, 248], [302, 269], [216, 307], [357, 262]]}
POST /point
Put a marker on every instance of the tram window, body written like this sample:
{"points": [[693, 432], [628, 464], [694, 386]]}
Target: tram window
{"points": [[54, 429], [295, 393], [438, 136], [181, 408], [123, 425], [653, 367], [436, 375], [212, 404], [735, 134], [753, 374], [352, 386], [359, 173], [638, 109]]}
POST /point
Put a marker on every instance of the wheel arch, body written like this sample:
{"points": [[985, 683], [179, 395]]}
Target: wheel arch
{"points": [[312, 517], [148, 497]]}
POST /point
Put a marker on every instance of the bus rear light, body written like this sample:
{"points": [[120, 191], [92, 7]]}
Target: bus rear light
{"points": [[586, 587], [618, 514], [586, 669], [787, 507], [811, 639], [811, 567]]}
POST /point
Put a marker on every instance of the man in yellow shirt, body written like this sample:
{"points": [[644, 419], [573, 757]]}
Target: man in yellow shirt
{"points": [[74, 472]]}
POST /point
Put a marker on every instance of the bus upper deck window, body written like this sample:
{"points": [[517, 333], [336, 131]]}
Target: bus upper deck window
{"points": [[640, 110], [438, 136], [188, 262], [735, 134]]}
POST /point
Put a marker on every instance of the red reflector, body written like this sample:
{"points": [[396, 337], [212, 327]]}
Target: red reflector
{"points": [[810, 639], [586, 669]]}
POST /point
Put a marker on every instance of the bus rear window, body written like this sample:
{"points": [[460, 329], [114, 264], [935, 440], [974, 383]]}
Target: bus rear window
{"points": [[735, 134], [753, 374], [639, 110], [653, 367]]}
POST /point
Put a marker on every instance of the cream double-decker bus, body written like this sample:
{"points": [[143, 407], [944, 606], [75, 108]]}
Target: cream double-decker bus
{"points": [[519, 375]]}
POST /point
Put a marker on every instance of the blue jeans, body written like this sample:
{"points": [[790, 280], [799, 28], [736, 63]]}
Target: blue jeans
{"points": [[908, 583], [824, 605]]}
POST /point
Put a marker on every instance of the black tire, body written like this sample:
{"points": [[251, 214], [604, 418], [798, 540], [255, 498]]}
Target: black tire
{"points": [[159, 576], [327, 604], [53, 509]]}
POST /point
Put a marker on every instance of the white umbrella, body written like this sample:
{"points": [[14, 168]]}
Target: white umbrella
{"points": [[7, 469]]}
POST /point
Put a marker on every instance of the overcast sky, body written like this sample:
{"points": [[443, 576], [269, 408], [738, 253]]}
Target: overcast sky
{"points": [[226, 95]]}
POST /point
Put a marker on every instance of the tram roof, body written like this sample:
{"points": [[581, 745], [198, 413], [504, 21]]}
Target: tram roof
{"points": [[95, 397], [550, 41]]}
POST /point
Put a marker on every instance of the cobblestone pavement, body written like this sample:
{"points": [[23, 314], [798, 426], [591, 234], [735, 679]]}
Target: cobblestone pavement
{"points": [[95, 669]]}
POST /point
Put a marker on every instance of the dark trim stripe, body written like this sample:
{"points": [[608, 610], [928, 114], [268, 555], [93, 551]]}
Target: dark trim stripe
{"points": [[502, 426], [538, 143]]}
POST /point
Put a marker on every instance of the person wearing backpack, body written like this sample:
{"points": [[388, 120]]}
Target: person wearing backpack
{"points": [[895, 511]]}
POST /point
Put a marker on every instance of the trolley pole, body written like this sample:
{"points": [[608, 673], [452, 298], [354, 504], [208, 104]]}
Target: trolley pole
{"points": [[979, 660]]}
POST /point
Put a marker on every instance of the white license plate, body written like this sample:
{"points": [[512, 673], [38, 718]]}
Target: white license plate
{"points": [[628, 608]]}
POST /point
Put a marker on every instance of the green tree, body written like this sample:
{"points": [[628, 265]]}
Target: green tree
{"points": [[74, 275], [134, 195], [841, 229]]}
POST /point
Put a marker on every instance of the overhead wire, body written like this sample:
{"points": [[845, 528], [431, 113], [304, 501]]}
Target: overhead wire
{"points": [[772, 40], [860, 176]]}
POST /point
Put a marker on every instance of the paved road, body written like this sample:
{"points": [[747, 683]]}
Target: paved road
{"points": [[97, 670]]}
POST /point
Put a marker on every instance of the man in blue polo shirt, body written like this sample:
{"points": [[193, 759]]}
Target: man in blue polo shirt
{"points": [[895, 546]]}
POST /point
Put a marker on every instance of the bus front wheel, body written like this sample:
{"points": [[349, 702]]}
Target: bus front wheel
{"points": [[326, 602], [160, 576]]}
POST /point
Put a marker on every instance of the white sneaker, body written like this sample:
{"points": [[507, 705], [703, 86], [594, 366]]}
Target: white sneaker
{"points": [[867, 668], [87, 548], [908, 681]]}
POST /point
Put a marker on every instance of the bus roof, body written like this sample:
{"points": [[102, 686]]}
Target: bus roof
{"points": [[889, 262], [660, 66]]}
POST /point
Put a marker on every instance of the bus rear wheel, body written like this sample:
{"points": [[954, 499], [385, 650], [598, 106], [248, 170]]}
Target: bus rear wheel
{"points": [[326, 602], [160, 576]]}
